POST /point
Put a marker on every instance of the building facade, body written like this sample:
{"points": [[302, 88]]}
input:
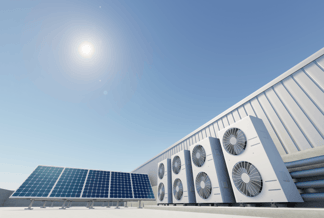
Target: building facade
{"points": [[291, 107]]}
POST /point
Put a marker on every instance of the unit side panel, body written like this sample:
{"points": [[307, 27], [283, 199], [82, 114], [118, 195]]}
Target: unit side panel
{"points": [[260, 114]]}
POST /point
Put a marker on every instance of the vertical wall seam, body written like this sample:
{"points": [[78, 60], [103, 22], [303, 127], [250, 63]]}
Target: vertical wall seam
{"points": [[238, 112], [233, 116], [310, 120], [283, 124], [292, 117], [253, 108], [245, 109], [283, 146], [312, 78]]}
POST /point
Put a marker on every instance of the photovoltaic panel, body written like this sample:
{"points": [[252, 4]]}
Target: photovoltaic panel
{"points": [[141, 186], [70, 183], [39, 183], [97, 185], [120, 185]]}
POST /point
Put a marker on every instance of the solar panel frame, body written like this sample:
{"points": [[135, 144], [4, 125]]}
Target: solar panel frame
{"points": [[83, 187]]}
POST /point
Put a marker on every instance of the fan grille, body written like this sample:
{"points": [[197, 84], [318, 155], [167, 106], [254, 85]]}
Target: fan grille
{"points": [[234, 141], [198, 155], [161, 171], [176, 164], [177, 189], [247, 179], [161, 192], [203, 185]]}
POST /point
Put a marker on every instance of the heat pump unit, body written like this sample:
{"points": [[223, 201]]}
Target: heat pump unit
{"points": [[212, 183], [255, 167], [182, 181], [164, 182]]}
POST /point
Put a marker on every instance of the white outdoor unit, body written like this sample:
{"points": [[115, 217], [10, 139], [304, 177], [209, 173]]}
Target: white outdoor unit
{"points": [[182, 181], [164, 182], [212, 183], [255, 167]]}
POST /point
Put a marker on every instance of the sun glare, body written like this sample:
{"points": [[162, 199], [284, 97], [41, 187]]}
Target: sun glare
{"points": [[86, 49]]}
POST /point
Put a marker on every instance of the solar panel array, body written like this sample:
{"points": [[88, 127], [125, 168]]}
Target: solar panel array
{"points": [[67, 183]]}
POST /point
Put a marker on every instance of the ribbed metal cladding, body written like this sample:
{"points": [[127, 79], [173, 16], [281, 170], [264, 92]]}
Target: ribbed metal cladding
{"points": [[291, 107]]}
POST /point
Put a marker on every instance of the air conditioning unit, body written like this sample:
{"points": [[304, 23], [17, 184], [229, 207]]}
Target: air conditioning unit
{"points": [[254, 164], [182, 181], [212, 183], [164, 182]]}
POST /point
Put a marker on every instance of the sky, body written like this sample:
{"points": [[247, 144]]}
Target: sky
{"points": [[159, 70]]}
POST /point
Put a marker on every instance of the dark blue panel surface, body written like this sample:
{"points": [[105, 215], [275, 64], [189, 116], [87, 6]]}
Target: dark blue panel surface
{"points": [[141, 186], [97, 185], [39, 183], [70, 183], [120, 185]]}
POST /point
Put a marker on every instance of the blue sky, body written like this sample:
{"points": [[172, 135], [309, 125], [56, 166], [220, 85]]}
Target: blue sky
{"points": [[160, 70]]}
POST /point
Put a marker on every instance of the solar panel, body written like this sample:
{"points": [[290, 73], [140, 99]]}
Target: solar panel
{"points": [[141, 186], [97, 185], [47, 182], [120, 185], [39, 183], [70, 183]]}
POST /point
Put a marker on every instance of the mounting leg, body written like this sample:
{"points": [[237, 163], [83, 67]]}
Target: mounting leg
{"points": [[30, 205], [117, 205], [44, 205], [125, 204], [52, 204], [139, 204], [91, 205], [108, 206], [63, 206], [103, 204]]}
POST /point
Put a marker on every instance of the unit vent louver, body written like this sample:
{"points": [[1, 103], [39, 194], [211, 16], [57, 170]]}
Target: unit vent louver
{"points": [[203, 185], [234, 141], [176, 164], [198, 155], [247, 179], [161, 192], [177, 189], [161, 171]]}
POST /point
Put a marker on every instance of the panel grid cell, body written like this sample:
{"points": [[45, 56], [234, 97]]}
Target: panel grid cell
{"points": [[120, 185], [142, 186], [97, 185], [39, 183], [70, 183]]}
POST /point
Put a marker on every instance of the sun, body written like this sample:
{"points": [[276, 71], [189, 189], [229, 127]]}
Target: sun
{"points": [[86, 49]]}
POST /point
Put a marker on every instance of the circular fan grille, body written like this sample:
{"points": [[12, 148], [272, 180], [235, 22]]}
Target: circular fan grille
{"points": [[247, 179], [161, 171], [177, 189], [198, 155], [234, 141], [176, 164], [203, 185], [161, 192]]}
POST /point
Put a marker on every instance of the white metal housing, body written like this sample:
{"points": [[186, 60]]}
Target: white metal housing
{"points": [[207, 157], [166, 180], [258, 150], [185, 176]]}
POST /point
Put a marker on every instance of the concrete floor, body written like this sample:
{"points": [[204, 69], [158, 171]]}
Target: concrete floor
{"points": [[98, 212]]}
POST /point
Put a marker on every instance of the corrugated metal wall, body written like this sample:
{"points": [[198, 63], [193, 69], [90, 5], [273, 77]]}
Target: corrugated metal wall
{"points": [[291, 107]]}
